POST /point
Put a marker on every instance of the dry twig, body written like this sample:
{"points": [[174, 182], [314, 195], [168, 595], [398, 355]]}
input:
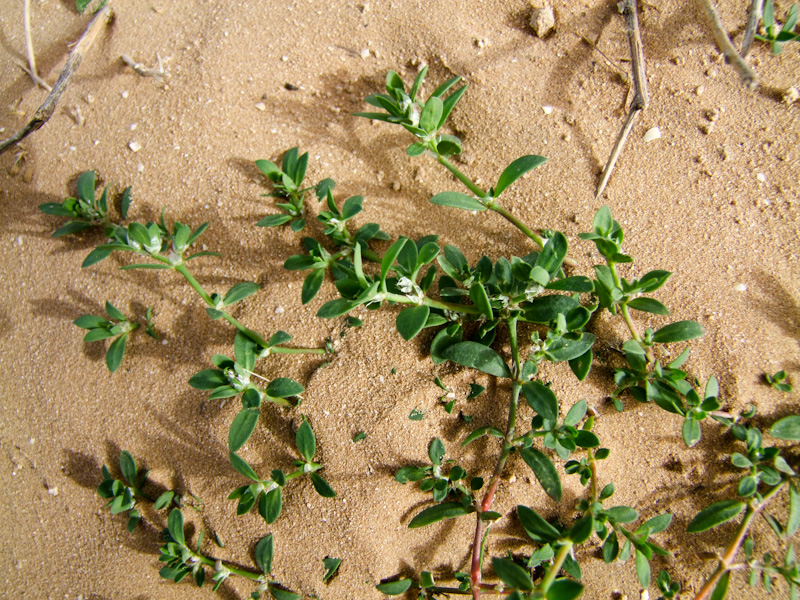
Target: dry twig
{"points": [[640, 97], [45, 111], [753, 19], [157, 74], [732, 56], [31, 70]]}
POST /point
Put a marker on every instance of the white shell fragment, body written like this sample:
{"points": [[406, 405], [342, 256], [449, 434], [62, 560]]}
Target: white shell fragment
{"points": [[548, 110], [135, 146], [652, 134]]}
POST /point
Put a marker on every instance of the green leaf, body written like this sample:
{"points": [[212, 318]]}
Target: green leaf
{"points": [[787, 428], [412, 320], [564, 589], [278, 338], [643, 569], [336, 308], [477, 356], [322, 487], [516, 170], [678, 332], [86, 184], [690, 431], [115, 352], [208, 379], [570, 346], [716, 514], [70, 228], [394, 588], [127, 465], [269, 505], [91, 322], [458, 200], [721, 589], [114, 312], [283, 387], [478, 295], [242, 428], [536, 527], [306, 442], [439, 512], [655, 525], [164, 500], [552, 255], [175, 526], [512, 574], [390, 256], [95, 256], [436, 451], [581, 365], [264, 554], [541, 399], [242, 467], [582, 529], [331, 566], [649, 305], [576, 412], [281, 594], [545, 471], [240, 291], [431, 114]]}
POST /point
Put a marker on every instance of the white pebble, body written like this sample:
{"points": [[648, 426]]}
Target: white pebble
{"points": [[652, 134], [133, 126], [548, 110], [365, 53], [261, 106], [19, 240], [761, 177], [139, 168], [740, 287], [135, 146], [284, 58], [124, 94], [53, 491], [279, 310], [32, 441]]}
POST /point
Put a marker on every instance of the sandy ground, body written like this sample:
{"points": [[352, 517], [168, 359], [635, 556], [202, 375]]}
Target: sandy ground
{"points": [[715, 200]]}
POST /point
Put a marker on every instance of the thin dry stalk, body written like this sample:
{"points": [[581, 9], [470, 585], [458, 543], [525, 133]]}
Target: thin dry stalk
{"points": [[640, 96], [732, 56], [45, 111], [753, 19], [157, 74], [31, 70]]}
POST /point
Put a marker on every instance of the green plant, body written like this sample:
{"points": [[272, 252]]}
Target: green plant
{"points": [[778, 37], [779, 381], [118, 327], [544, 314]]}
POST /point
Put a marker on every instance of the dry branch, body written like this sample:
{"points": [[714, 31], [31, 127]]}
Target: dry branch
{"points": [[753, 19], [31, 70], [640, 96], [732, 56], [45, 111]]}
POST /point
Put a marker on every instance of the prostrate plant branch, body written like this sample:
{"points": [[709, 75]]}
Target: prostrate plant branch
{"points": [[732, 56], [29, 48]]}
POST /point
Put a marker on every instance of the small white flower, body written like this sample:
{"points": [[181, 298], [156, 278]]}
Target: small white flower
{"points": [[405, 285]]}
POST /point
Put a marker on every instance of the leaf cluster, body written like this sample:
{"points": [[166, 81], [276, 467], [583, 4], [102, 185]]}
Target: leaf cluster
{"points": [[778, 37], [86, 210], [117, 326], [288, 183], [267, 493], [122, 493]]}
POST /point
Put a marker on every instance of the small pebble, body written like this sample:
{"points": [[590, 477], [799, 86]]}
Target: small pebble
{"points": [[543, 21], [133, 126], [740, 287], [124, 94], [712, 114], [284, 58], [707, 128], [791, 95], [135, 146], [139, 168], [279, 310], [761, 177], [364, 53], [261, 106], [569, 119], [396, 186], [19, 243], [53, 491], [699, 90], [548, 110]]}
